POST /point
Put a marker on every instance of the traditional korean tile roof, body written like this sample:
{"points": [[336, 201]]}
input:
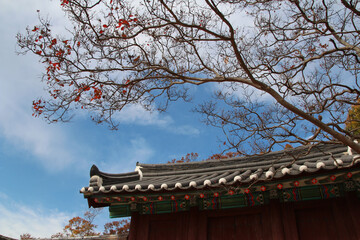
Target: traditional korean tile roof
{"points": [[152, 178], [6, 238]]}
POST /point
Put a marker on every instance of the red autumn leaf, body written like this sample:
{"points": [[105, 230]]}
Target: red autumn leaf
{"points": [[137, 59], [38, 108], [97, 93], [64, 2], [56, 65], [35, 29], [123, 35], [123, 21], [105, 26], [60, 52]]}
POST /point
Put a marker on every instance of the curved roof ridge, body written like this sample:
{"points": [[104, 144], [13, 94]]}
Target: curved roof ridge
{"points": [[252, 159]]}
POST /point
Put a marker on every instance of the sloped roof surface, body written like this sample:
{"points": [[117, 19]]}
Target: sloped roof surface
{"points": [[6, 238], [213, 173]]}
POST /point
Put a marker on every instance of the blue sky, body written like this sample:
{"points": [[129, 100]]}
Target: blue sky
{"points": [[42, 166]]}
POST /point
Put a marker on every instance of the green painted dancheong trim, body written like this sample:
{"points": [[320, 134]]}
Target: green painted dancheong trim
{"points": [[226, 201], [302, 189]]}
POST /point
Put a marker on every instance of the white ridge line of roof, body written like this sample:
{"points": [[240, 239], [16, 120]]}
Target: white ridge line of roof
{"points": [[138, 170]]}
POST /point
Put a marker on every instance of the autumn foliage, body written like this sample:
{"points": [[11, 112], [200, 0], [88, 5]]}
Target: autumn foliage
{"points": [[219, 156], [79, 227], [353, 120], [85, 227], [190, 157], [117, 227], [26, 236]]}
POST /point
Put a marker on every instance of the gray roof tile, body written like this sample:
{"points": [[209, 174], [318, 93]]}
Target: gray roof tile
{"points": [[213, 173]]}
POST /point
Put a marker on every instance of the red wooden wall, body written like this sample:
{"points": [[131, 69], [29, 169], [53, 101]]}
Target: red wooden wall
{"points": [[321, 219]]}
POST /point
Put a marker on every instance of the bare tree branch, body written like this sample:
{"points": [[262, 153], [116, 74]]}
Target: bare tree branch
{"points": [[285, 71]]}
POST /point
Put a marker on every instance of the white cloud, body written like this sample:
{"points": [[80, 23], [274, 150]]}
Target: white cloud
{"points": [[16, 219], [3, 197], [45, 142], [48, 143], [20, 85], [124, 157], [186, 130], [242, 91], [52, 145], [136, 114]]}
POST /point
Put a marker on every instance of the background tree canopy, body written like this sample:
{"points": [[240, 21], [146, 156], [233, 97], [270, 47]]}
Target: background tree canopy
{"points": [[85, 227], [284, 72]]}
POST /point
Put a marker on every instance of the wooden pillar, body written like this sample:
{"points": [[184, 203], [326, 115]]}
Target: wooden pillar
{"points": [[289, 221], [343, 220], [133, 226], [193, 224], [352, 202], [202, 225], [276, 221], [139, 227]]}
